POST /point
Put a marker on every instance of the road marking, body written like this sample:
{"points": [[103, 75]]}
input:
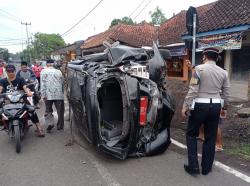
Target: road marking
{"points": [[108, 178], [105, 174], [218, 164]]}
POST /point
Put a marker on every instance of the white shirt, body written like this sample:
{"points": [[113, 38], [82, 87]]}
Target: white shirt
{"points": [[52, 84]]}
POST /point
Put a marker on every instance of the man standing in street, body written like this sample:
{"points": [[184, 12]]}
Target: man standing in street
{"points": [[37, 71], [3, 73], [203, 104], [26, 73], [52, 92]]}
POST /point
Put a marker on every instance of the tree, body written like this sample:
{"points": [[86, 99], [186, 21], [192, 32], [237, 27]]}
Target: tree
{"points": [[42, 46], [4, 54], [24, 55], [157, 17], [124, 20]]}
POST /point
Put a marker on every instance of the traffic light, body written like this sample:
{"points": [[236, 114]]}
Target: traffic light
{"points": [[189, 20]]}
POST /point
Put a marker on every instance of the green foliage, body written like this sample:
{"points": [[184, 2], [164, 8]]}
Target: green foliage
{"points": [[124, 20], [4, 54], [157, 17], [242, 150], [42, 46]]}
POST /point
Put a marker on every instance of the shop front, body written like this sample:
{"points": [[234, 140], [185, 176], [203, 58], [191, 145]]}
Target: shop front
{"points": [[177, 67], [235, 57]]}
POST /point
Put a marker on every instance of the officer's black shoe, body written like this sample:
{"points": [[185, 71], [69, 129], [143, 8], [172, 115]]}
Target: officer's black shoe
{"points": [[205, 172], [191, 170]]}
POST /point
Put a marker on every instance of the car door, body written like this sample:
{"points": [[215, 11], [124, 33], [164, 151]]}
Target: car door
{"points": [[77, 92]]}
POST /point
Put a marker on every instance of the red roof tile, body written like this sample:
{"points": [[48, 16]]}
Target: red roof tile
{"points": [[226, 14], [132, 35], [98, 39], [213, 16], [173, 28]]}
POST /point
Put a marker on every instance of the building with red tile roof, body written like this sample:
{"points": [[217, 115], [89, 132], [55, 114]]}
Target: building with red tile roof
{"points": [[226, 22], [132, 35], [172, 30]]}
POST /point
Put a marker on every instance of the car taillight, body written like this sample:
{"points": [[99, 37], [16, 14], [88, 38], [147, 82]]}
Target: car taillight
{"points": [[143, 110]]}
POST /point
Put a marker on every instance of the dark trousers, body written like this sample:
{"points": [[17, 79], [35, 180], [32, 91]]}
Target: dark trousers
{"points": [[34, 118], [59, 104], [207, 114], [38, 79]]}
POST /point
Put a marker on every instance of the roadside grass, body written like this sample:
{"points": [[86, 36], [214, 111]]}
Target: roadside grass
{"points": [[242, 150]]}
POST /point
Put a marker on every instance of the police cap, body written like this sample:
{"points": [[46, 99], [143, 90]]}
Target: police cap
{"points": [[215, 50]]}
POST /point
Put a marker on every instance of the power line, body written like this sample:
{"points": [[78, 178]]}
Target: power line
{"points": [[136, 8], [142, 9], [8, 40], [11, 44], [67, 32], [5, 16], [10, 16]]}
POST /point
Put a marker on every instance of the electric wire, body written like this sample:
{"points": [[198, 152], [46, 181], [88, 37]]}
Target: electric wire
{"points": [[142, 9], [136, 8], [8, 40], [12, 44], [9, 16], [68, 31]]}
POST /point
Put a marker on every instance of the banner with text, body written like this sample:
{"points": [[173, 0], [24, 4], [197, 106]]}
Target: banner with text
{"points": [[228, 41]]}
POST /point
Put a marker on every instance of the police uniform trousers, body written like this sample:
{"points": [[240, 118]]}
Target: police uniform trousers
{"points": [[207, 114]]}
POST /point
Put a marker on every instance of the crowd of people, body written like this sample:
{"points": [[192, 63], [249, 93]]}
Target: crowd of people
{"points": [[50, 80]]}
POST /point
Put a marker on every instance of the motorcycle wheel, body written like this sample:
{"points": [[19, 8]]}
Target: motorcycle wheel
{"points": [[17, 138]]}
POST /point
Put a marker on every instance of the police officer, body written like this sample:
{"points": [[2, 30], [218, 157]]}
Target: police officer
{"points": [[203, 104]]}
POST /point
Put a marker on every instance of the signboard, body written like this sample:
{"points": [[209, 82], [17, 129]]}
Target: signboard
{"points": [[226, 41], [177, 51]]}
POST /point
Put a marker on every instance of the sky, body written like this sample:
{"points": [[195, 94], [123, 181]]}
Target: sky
{"points": [[57, 16]]}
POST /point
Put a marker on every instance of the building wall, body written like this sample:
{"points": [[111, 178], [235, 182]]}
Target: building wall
{"points": [[241, 64], [240, 70], [228, 62]]}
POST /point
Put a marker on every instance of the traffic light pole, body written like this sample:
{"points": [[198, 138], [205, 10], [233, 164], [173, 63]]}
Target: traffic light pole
{"points": [[194, 39]]}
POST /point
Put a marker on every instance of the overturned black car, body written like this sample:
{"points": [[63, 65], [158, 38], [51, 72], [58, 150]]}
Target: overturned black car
{"points": [[118, 101]]}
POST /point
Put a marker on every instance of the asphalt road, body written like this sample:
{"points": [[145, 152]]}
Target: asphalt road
{"points": [[48, 162]]}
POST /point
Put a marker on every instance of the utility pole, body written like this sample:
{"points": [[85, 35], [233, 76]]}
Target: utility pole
{"points": [[194, 39], [28, 43]]}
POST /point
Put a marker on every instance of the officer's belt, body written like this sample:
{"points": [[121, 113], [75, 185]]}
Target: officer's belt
{"points": [[207, 100]]}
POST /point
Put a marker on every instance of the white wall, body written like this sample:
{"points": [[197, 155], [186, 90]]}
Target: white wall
{"points": [[228, 62]]}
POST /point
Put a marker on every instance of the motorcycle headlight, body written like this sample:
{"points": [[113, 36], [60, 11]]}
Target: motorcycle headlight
{"points": [[14, 98]]}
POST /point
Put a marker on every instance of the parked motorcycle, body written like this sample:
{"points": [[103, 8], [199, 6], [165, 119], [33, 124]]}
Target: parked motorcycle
{"points": [[14, 112]]}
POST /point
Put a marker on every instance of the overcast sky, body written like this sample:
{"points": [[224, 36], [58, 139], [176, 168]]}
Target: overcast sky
{"points": [[57, 16]]}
